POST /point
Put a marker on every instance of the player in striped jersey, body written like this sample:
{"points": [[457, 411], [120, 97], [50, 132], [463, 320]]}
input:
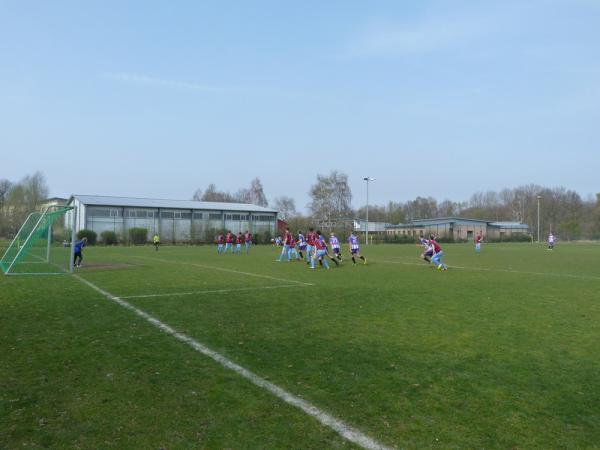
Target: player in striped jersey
{"points": [[335, 246], [301, 244], [428, 249], [355, 249]]}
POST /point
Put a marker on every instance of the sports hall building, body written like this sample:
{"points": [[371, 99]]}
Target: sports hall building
{"points": [[172, 220], [458, 228]]}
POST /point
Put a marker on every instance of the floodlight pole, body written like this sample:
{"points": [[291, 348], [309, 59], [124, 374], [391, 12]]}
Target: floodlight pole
{"points": [[538, 219], [367, 179]]}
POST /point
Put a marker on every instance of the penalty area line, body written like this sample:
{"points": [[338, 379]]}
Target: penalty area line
{"points": [[223, 269], [215, 291], [340, 427]]}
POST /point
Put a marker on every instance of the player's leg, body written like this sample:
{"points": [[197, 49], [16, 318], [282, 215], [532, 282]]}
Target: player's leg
{"points": [[323, 258], [364, 260]]}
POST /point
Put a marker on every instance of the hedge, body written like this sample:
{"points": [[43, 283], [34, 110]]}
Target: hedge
{"points": [[108, 237], [138, 235], [89, 234]]}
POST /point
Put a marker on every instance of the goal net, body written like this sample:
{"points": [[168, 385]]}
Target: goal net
{"points": [[41, 246]]}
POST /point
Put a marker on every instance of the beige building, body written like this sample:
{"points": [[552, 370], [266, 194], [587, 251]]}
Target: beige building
{"points": [[458, 228]]}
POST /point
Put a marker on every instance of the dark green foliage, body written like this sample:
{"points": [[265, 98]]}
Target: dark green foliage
{"points": [[89, 234], [399, 239], [138, 236], [108, 237], [515, 237], [211, 234], [263, 238]]}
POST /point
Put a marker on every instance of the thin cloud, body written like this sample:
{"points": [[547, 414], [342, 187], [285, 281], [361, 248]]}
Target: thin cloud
{"points": [[152, 81], [436, 31], [146, 80], [425, 37]]}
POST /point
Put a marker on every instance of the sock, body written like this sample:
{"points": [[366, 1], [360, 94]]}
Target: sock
{"points": [[301, 255], [321, 261], [336, 263], [353, 260], [362, 257]]}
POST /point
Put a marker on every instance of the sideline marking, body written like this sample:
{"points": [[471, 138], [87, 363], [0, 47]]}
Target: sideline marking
{"points": [[214, 291], [486, 269], [223, 269], [346, 431]]}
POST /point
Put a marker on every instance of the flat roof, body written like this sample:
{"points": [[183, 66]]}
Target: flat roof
{"points": [[135, 202], [421, 223]]}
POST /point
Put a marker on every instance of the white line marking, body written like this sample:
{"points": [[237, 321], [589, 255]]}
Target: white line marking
{"points": [[486, 269], [215, 291], [346, 431], [223, 269]]}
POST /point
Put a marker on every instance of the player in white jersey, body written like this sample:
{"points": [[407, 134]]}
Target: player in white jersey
{"points": [[355, 249], [428, 249], [335, 246], [551, 241]]}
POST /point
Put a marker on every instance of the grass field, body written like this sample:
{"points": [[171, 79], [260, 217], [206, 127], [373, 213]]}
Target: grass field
{"points": [[501, 351]]}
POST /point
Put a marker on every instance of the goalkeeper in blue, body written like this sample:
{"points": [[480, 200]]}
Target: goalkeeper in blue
{"points": [[78, 251]]}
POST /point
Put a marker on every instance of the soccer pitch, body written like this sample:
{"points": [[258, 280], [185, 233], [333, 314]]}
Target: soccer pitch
{"points": [[500, 351]]}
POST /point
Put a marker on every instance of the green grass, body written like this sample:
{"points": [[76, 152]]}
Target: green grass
{"points": [[501, 351]]}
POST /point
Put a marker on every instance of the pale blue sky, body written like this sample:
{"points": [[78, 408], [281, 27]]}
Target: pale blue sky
{"points": [[440, 98]]}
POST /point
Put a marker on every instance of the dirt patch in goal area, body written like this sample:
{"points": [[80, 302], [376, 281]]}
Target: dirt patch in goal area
{"points": [[104, 266]]}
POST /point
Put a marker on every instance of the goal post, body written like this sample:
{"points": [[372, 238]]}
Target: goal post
{"points": [[41, 246]]}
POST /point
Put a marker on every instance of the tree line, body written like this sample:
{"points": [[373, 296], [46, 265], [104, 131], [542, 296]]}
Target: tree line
{"points": [[18, 199], [562, 211]]}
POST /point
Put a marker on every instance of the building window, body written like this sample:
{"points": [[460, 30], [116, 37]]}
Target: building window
{"points": [[99, 212], [215, 216]]}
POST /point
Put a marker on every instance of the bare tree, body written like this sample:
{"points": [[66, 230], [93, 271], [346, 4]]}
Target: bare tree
{"points": [[286, 207], [256, 194], [211, 194], [197, 195], [20, 199], [331, 197]]}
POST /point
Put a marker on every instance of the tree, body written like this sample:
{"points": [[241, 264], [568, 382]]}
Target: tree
{"points": [[5, 186], [256, 195], [286, 207], [423, 208], [211, 194], [20, 199], [331, 197], [36, 190], [197, 195]]}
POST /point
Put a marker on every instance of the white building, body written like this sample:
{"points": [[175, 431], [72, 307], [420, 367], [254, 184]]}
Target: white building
{"points": [[172, 220]]}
